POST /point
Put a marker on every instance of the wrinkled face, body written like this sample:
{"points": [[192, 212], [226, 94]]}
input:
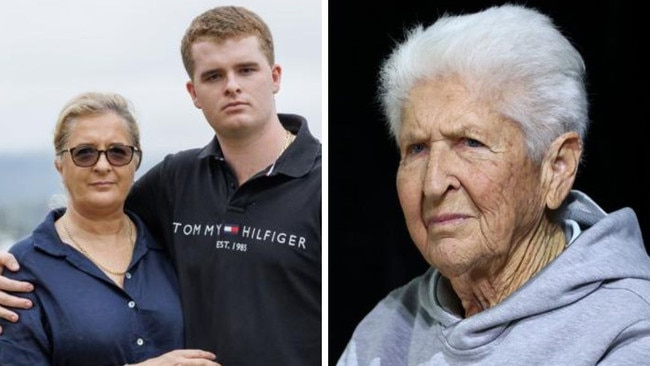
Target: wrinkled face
{"points": [[467, 188], [101, 187], [234, 85]]}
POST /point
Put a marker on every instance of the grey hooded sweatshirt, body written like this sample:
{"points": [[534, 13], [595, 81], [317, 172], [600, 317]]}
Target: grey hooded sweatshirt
{"points": [[589, 306]]}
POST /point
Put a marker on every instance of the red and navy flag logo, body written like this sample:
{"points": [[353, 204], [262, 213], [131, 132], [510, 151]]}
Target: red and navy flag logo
{"points": [[231, 229]]}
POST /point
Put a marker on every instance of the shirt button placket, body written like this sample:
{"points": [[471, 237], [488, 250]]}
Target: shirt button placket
{"points": [[131, 305]]}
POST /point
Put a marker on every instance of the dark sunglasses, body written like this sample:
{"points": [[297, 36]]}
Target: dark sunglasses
{"points": [[88, 155]]}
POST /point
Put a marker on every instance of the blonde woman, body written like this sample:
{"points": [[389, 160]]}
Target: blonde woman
{"points": [[105, 291]]}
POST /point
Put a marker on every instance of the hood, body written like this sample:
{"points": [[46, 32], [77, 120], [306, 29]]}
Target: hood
{"points": [[610, 247]]}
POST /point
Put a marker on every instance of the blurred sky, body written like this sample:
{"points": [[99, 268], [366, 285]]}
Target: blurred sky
{"points": [[54, 49]]}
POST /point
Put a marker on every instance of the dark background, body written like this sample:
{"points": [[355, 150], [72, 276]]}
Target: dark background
{"points": [[370, 252]]}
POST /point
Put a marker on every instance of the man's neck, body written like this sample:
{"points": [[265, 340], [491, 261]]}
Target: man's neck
{"points": [[248, 155]]}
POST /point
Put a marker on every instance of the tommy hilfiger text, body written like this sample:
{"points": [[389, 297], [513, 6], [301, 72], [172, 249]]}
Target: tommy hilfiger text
{"points": [[240, 231]]}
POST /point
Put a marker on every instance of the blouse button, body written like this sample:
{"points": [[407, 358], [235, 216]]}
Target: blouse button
{"points": [[131, 304], [140, 342], [127, 275]]}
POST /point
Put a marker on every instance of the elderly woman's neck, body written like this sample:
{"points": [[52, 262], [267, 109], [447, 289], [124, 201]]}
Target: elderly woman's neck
{"points": [[486, 288]]}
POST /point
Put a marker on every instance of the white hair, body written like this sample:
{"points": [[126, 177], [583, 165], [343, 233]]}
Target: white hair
{"points": [[510, 56]]}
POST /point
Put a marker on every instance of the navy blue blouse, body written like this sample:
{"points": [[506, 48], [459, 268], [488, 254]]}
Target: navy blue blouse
{"points": [[81, 317]]}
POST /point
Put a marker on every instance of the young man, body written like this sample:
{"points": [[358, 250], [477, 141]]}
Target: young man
{"points": [[241, 217]]}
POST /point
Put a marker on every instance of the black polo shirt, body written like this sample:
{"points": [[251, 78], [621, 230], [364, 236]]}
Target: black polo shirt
{"points": [[248, 257]]}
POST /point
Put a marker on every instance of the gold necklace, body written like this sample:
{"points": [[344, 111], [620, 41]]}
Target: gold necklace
{"points": [[116, 273], [289, 137]]}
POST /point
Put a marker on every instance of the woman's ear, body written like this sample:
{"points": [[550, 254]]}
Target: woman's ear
{"points": [[560, 167], [57, 164]]}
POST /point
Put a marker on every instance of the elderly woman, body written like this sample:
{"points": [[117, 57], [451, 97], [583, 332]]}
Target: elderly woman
{"points": [[489, 111], [105, 291]]}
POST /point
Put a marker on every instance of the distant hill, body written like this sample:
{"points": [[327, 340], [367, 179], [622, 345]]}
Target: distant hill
{"points": [[27, 185], [28, 178]]}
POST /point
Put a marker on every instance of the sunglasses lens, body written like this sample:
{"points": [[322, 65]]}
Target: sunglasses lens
{"points": [[85, 155], [119, 155]]}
